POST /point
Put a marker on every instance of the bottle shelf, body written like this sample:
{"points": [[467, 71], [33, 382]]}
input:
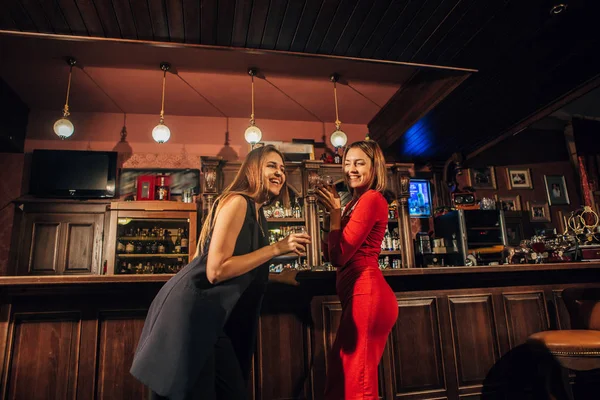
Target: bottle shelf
{"points": [[298, 220], [143, 239], [128, 255], [390, 252]]}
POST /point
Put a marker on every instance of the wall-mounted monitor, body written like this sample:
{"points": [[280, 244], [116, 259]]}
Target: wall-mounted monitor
{"points": [[419, 202], [75, 174]]}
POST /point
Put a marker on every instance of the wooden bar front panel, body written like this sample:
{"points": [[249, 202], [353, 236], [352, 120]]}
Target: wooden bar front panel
{"points": [[78, 340]]}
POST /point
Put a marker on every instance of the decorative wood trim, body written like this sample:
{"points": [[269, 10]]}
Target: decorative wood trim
{"points": [[182, 160]]}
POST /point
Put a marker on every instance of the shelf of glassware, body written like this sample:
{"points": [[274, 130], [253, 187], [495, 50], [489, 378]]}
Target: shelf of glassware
{"points": [[152, 246]]}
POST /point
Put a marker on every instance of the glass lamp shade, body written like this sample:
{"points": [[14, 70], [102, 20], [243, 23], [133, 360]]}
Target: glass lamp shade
{"points": [[253, 134], [338, 138], [161, 133], [64, 128]]}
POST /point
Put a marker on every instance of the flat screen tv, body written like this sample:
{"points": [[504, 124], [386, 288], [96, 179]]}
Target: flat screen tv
{"points": [[419, 202], [73, 174]]}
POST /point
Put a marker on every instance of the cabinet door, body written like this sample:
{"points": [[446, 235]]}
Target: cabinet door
{"points": [[40, 245], [55, 244], [82, 244]]}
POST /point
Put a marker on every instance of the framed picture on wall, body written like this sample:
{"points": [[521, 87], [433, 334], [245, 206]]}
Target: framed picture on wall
{"points": [[539, 212], [510, 203], [556, 189], [482, 178], [519, 178]]}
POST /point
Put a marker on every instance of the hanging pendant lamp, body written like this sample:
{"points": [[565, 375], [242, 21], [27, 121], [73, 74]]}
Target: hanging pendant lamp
{"points": [[338, 137], [161, 132], [253, 133], [63, 127]]}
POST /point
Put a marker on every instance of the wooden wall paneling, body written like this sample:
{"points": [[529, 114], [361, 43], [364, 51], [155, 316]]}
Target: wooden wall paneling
{"points": [[417, 357], [40, 245], [119, 332], [475, 339], [5, 339], [321, 338], [563, 321], [525, 314], [284, 349], [88, 350], [43, 355]]}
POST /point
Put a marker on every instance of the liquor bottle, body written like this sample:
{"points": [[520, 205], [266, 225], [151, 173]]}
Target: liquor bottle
{"points": [[395, 241], [337, 159], [162, 190], [129, 247], [154, 248], [139, 247], [161, 248], [178, 242], [120, 246], [297, 209], [388, 240], [168, 242], [268, 211], [278, 210], [184, 242]]}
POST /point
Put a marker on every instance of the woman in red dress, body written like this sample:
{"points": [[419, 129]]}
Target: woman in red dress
{"points": [[352, 241]]}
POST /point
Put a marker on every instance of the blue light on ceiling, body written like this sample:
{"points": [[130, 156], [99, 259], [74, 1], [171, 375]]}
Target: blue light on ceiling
{"points": [[418, 140]]}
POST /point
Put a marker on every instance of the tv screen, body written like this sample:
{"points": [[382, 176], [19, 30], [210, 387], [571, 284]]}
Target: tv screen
{"points": [[75, 174], [419, 202]]}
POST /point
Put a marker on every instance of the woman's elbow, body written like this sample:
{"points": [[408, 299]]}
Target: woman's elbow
{"points": [[213, 275]]}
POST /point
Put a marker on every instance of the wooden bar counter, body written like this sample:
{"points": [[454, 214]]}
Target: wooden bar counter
{"points": [[458, 333]]}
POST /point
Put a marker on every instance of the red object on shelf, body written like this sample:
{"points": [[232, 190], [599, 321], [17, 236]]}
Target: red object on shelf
{"points": [[163, 187], [145, 187]]}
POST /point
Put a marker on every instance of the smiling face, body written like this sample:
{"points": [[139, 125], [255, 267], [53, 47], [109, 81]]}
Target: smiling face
{"points": [[358, 169], [274, 173]]}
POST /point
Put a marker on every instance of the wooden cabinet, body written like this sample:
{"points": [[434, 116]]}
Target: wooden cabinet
{"points": [[60, 238], [144, 223]]}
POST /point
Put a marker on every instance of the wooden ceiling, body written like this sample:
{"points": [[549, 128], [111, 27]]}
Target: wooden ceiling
{"points": [[526, 57]]}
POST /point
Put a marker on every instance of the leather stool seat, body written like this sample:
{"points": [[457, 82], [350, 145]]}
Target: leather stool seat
{"points": [[569, 342]]}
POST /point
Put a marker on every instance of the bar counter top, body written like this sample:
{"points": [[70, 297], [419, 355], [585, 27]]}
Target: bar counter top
{"points": [[303, 275]]}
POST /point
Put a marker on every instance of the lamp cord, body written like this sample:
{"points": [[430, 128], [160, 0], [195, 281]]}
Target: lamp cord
{"points": [[162, 104], [252, 115], [337, 117], [66, 107]]}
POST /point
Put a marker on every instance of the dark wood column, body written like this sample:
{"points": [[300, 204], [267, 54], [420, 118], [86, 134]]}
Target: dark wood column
{"points": [[408, 252]]}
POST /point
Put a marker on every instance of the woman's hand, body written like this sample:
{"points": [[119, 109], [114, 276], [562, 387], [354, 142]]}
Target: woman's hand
{"points": [[295, 242], [329, 198]]}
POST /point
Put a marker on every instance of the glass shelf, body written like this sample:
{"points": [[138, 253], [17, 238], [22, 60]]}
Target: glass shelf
{"points": [[297, 220], [161, 255]]}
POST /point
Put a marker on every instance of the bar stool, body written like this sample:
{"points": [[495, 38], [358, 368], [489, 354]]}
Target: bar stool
{"points": [[577, 349]]}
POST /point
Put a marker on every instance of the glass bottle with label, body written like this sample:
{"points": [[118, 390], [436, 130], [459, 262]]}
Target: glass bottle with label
{"points": [[297, 209], [184, 242], [162, 189], [278, 210]]}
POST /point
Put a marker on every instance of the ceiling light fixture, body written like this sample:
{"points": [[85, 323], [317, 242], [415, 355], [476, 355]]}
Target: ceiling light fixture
{"points": [[338, 137], [161, 133], [558, 8], [63, 127], [253, 133]]}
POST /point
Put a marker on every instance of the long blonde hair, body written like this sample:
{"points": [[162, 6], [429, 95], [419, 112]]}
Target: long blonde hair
{"points": [[248, 181], [378, 180]]}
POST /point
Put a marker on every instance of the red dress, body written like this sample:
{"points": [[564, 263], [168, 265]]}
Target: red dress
{"points": [[369, 306]]}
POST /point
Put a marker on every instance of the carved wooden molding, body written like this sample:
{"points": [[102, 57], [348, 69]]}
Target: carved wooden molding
{"points": [[163, 160]]}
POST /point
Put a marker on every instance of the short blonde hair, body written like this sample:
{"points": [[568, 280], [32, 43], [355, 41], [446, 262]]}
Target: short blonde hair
{"points": [[378, 179]]}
